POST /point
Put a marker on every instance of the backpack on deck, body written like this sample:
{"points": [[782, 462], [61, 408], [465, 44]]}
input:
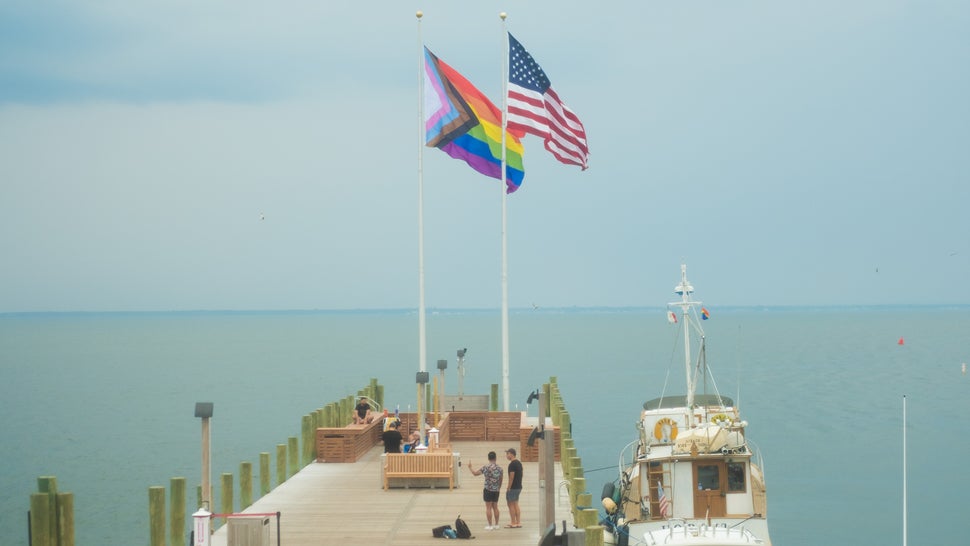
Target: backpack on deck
{"points": [[439, 532], [461, 528]]}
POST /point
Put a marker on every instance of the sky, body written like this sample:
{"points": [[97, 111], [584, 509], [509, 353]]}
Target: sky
{"points": [[186, 155]]}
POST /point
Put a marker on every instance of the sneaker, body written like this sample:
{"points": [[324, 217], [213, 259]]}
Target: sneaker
{"points": [[488, 527]]}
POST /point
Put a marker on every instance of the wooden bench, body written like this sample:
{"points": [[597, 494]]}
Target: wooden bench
{"points": [[420, 465]]}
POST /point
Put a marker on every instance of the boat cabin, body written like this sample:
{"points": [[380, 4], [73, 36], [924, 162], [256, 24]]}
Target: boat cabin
{"points": [[694, 463]]}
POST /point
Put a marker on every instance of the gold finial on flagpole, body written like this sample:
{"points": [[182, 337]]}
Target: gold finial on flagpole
{"points": [[419, 14], [502, 15]]}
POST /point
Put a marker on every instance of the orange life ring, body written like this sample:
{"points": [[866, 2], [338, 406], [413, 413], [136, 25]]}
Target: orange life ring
{"points": [[658, 430]]}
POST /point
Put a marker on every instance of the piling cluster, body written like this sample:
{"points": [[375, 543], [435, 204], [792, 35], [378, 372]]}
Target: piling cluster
{"points": [[51, 515], [585, 516]]}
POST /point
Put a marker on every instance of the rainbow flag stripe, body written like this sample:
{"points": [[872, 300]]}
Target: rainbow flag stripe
{"points": [[463, 123]]}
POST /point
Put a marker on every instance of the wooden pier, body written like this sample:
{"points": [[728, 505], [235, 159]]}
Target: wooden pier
{"points": [[345, 503]]}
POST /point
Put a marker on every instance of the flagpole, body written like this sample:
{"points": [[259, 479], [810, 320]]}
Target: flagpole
{"points": [[505, 251], [905, 515], [422, 336]]}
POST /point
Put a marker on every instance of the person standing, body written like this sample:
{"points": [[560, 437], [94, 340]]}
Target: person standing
{"points": [[392, 439], [514, 489], [493, 486]]}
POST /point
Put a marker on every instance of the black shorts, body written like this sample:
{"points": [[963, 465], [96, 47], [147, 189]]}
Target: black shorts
{"points": [[489, 496]]}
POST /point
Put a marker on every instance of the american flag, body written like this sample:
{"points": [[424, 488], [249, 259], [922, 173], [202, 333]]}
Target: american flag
{"points": [[533, 107], [664, 503]]}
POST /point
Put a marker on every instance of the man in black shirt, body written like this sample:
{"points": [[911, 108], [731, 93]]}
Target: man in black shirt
{"points": [[361, 408], [514, 489], [392, 439]]}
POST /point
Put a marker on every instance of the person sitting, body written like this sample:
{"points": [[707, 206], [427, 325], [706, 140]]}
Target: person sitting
{"points": [[392, 439], [361, 408], [414, 442]]}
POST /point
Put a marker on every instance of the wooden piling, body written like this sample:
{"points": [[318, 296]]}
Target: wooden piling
{"points": [[576, 486], [156, 515], [565, 424], [280, 463], [293, 452], [40, 520], [306, 427], [594, 535], [48, 486], [227, 501], [314, 425], [586, 518], [264, 482], [65, 519], [176, 528], [245, 485]]}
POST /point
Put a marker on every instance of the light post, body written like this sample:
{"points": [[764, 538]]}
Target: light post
{"points": [[421, 378], [204, 411], [201, 519]]}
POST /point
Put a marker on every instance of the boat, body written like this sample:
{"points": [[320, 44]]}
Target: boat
{"points": [[692, 476]]}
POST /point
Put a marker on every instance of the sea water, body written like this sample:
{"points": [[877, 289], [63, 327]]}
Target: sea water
{"points": [[105, 401]]}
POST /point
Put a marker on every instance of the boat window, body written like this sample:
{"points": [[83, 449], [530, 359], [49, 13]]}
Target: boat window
{"points": [[708, 477], [735, 475]]}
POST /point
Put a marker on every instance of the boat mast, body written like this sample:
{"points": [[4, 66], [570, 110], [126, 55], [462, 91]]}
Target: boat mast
{"points": [[684, 290]]}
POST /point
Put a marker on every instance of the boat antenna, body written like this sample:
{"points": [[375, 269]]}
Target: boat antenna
{"points": [[737, 356], [684, 290]]}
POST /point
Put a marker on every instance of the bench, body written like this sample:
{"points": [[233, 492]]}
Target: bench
{"points": [[420, 465]]}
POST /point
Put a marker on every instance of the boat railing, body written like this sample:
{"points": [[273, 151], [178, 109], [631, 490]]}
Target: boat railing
{"points": [[756, 455], [677, 528]]}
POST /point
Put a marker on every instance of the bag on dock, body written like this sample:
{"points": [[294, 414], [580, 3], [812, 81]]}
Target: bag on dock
{"points": [[439, 532], [461, 528]]}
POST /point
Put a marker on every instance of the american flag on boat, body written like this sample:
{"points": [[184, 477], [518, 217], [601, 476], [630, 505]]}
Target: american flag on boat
{"points": [[664, 503]]}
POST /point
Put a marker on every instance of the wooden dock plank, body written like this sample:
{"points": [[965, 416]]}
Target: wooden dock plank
{"points": [[344, 503]]}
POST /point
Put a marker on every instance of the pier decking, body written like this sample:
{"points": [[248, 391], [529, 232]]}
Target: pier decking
{"points": [[345, 503]]}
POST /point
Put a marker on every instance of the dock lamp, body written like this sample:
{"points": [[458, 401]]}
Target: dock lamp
{"points": [[461, 372], [440, 390], [421, 378]]}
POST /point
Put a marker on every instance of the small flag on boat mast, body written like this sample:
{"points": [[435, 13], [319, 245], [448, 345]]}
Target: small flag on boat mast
{"points": [[705, 314], [671, 317]]}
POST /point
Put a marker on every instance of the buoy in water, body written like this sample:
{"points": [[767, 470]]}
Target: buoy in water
{"points": [[964, 368], [900, 342]]}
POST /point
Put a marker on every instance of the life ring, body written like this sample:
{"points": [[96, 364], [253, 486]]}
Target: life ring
{"points": [[665, 430], [719, 418]]}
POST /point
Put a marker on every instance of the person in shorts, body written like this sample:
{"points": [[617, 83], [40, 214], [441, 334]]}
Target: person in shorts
{"points": [[514, 489], [493, 486]]}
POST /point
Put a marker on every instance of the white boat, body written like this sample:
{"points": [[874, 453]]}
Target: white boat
{"points": [[692, 477]]}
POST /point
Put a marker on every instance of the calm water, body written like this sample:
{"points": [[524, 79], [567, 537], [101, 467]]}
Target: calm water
{"points": [[105, 401]]}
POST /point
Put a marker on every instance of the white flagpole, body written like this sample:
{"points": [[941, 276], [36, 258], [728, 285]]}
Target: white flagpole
{"points": [[422, 336], [505, 250], [904, 471]]}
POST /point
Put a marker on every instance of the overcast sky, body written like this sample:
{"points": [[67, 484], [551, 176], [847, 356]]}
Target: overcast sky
{"points": [[264, 155]]}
